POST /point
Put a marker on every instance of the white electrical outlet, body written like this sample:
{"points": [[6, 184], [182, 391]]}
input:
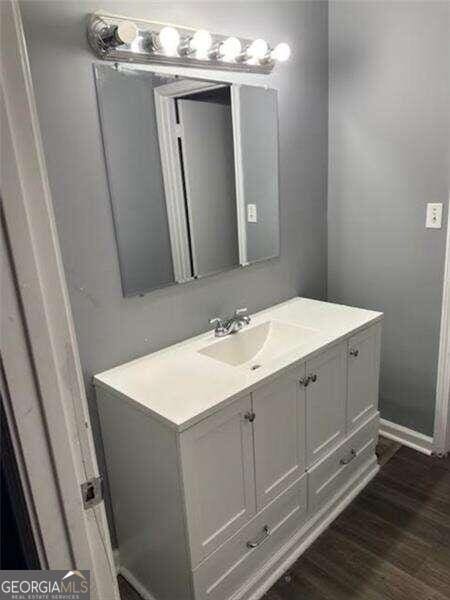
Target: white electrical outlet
{"points": [[434, 215], [252, 213]]}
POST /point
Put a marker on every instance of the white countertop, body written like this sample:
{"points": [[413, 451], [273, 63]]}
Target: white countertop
{"points": [[179, 386]]}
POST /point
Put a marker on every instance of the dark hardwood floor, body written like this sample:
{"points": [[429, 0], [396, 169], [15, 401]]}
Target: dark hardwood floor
{"points": [[126, 591], [392, 542]]}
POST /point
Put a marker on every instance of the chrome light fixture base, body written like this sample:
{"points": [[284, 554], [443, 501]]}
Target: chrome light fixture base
{"points": [[103, 32]]}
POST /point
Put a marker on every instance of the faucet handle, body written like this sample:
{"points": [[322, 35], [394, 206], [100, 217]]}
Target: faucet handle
{"points": [[240, 312], [219, 326], [216, 321]]}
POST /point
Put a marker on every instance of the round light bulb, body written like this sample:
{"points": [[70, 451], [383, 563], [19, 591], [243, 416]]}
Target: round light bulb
{"points": [[230, 49], [258, 49], [126, 32], [169, 39], [201, 42], [281, 52]]}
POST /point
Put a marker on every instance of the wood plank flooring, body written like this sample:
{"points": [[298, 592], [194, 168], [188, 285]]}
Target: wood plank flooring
{"points": [[126, 591], [392, 542], [386, 449]]}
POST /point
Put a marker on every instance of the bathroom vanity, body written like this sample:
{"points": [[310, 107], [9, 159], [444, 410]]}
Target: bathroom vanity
{"points": [[227, 457]]}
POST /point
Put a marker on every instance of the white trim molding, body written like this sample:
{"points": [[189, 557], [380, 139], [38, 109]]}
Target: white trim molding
{"points": [[136, 584], [173, 185], [407, 437], [239, 174], [442, 410]]}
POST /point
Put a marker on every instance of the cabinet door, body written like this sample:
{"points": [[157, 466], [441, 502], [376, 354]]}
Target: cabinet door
{"points": [[218, 475], [363, 373], [325, 401], [279, 435]]}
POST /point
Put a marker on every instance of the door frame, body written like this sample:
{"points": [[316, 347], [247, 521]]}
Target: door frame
{"points": [[241, 210], [441, 438], [168, 135], [47, 410]]}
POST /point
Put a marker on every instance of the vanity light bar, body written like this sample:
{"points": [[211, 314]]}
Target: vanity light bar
{"points": [[119, 38]]}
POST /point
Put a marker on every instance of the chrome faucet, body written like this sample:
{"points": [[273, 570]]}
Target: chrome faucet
{"points": [[230, 324]]}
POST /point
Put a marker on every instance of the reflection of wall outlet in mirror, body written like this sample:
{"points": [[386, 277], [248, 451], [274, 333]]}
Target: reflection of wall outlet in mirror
{"points": [[252, 213], [434, 215]]}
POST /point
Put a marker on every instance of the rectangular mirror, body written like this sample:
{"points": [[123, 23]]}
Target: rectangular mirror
{"points": [[192, 170]]}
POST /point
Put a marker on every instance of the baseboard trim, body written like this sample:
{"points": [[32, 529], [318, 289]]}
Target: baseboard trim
{"points": [[407, 437], [136, 584], [116, 558]]}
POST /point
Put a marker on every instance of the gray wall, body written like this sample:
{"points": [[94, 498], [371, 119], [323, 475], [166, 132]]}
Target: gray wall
{"points": [[389, 154], [112, 329]]}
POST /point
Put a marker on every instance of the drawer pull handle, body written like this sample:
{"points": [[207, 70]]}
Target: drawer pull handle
{"points": [[313, 377], [304, 381], [250, 416], [265, 534], [354, 352], [345, 461]]}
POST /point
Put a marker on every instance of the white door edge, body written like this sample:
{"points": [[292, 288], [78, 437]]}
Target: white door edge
{"points": [[60, 400], [442, 410], [239, 174]]}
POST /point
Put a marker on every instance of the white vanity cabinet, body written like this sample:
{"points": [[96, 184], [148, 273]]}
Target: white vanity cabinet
{"points": [[214, 507]]}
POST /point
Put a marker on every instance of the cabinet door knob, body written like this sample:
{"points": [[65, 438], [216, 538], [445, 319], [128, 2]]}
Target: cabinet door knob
{"points": [[250, 416], [260, 539], [354, 352], [304, 381], [313, 377], [349, 458]]}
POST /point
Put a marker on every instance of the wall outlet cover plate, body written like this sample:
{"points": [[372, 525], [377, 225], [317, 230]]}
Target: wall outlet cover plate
{"points": [[252, 213], [434, 215]]}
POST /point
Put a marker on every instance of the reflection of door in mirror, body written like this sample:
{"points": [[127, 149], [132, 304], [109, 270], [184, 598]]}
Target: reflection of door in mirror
{"points": [[208, 163], [195, 131]]}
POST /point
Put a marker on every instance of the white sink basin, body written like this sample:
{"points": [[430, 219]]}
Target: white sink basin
{"points": [[260, 344]]}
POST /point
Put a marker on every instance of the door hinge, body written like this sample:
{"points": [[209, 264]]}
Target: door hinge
{"points": [[92, 492]]}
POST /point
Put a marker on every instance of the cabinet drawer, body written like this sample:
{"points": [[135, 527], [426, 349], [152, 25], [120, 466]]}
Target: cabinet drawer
{"points": [[328, 476], [230, 566]]}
